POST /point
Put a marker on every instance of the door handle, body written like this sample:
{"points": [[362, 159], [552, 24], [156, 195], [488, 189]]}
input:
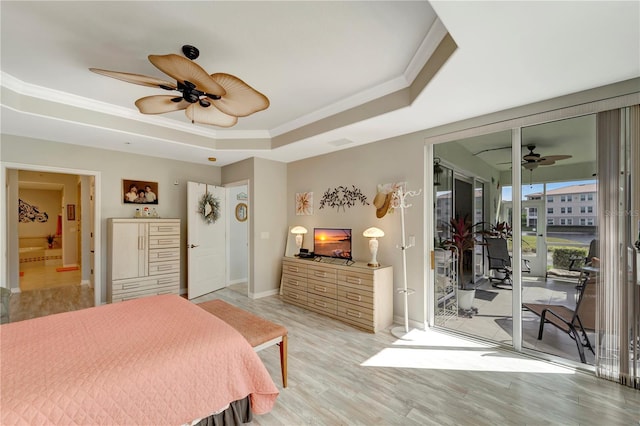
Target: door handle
{"points": [[193, 246]]}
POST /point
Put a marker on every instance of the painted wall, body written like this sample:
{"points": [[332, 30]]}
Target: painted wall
{"points": [[114, 166], [238, 238], [399, 159], [267, 220]]}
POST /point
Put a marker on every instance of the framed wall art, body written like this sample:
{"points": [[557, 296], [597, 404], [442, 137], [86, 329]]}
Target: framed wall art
{"points": [[139, 192], [71, 212]]}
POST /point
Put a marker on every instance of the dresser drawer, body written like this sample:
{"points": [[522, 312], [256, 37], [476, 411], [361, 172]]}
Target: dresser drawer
{"points": [[164, 228], [322, 273], [321, 304], [163, 241], [355, 296], [164, 254], [132, 288], [355, 280], [294, 269], [322, 288], [144, 293], [294, 282], [355, 315], [164, 267], [295, 297]]}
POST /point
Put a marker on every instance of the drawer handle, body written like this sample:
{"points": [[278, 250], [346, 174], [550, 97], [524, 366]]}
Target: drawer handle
{"points": [[354, 280], [293, 296], [294, 282], [320, 274], [321, 288], [321, 304], [165, 281], [353, 313], [165, 241], [355, 297], [164, 267], [165, 229], [166, 254], [293, 268]]}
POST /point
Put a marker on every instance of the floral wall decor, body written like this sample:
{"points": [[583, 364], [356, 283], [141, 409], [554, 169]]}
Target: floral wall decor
{"points": [[343, 197], [30, 213], [304, 203]]}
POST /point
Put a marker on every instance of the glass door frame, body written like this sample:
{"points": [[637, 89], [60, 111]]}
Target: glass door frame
{"points": [[605, 98], [540, 233]]}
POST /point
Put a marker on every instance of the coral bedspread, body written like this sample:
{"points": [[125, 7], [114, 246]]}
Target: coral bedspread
{"points": [[156, 360]]}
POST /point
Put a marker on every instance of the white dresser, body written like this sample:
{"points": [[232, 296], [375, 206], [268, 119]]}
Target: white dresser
{"points": [[358, 294], [143, 258]]}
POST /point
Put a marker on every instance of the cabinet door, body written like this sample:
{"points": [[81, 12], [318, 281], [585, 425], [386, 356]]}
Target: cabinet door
{"points": [[129, 250]]}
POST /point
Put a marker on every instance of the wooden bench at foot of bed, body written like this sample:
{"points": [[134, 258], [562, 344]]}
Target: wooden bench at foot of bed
{"points": [[259, 332]]}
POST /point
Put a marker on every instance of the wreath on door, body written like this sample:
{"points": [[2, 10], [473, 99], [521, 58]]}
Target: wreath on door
{"points": [[209, 208]]}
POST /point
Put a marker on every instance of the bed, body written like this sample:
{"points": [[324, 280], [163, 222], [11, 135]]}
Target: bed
{"points": [[155, 360]]}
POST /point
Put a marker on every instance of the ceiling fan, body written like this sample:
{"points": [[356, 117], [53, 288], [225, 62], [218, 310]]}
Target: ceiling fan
{"points": [[217, 99], [532, 160]]}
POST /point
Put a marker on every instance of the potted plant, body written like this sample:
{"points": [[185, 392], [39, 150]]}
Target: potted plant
{"points": [[499, 230], [463, 238], [50, 239]]}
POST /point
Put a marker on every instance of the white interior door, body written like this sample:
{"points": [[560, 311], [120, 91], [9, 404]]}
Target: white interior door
{"points": [[206, 243]]}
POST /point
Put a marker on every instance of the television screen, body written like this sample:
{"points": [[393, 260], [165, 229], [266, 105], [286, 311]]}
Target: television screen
{"points": [[332, 242]]}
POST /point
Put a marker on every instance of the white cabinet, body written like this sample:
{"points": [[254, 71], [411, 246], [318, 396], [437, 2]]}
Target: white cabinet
{"points": [[144, 258]]}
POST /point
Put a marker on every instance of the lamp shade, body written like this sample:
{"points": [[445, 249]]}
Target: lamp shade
{"points": [[298, 230], [373, 232]]}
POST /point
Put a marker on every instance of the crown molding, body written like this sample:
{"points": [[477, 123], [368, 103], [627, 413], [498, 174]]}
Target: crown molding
{"points": [[44, 93]]}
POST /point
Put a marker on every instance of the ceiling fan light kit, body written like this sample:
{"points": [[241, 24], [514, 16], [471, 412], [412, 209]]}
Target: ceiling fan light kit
{"points": [[217, 99]]}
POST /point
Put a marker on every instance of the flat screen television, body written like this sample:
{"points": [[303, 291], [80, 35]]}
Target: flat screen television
{"points": [[332, 242]]}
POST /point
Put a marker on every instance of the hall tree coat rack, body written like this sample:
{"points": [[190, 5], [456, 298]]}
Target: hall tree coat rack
{"points": [[400, 202]]}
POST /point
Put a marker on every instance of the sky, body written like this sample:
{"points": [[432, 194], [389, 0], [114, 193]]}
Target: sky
{"points": [[539, 187]]}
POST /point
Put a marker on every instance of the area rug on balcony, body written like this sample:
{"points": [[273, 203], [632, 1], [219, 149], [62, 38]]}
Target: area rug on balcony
{"points": [[486, 294], [66, 268]]}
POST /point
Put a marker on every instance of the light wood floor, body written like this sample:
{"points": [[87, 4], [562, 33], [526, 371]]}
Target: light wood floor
{"points": [[339, 375]]}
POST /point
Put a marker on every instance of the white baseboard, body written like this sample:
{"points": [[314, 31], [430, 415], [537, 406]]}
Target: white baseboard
{"points": [[15, 290], [399, 320], [264, 294], [85, 282]]}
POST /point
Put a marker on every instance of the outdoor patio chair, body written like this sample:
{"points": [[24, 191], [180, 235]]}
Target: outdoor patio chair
{"points": [[577, 262], [500, 262], [573, 322]]}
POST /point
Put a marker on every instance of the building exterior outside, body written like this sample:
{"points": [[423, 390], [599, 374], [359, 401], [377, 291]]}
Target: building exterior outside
{"points": [[574, 205]]}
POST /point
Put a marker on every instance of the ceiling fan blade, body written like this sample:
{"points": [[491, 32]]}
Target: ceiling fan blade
{"points": [[183, 69], [546, 162], [159, 104], [555, 157], [142, 80], [241, 99], [209, 115]]}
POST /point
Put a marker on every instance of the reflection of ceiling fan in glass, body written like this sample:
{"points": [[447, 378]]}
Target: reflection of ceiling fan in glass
{"points": [[532, 160], [216, 99]]}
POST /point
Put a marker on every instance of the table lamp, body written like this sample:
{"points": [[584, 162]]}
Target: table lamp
{"points": [[373, 234], [299, 232]]}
